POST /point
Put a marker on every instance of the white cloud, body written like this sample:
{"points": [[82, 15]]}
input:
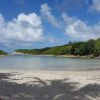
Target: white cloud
{"points": [[73, 27], [28, 28], [95, 6], [77, 29], [67, 19], [24, 28], [47, 15]]}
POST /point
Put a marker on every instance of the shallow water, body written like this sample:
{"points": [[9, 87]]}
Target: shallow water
{"points": [[48, 63]]}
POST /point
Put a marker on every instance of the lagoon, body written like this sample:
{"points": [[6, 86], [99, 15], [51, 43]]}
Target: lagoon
{"points": [[49, 63]]}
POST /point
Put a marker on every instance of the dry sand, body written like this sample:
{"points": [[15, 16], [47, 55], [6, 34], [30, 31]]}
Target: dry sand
{"points": [[85, 81], [83, 77]]}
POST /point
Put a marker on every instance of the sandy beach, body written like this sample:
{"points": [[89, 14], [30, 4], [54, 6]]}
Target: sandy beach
{"points": [[49, 85]]}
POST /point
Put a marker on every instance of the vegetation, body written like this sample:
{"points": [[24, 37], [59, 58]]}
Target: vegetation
{"points": [[2, 52], [90, 47]]}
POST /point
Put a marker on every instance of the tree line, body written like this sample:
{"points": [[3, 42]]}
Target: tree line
{"points": [[2, 52], [90, 47]]}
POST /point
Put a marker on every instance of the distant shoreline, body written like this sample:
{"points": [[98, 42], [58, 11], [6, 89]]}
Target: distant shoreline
{"points": [[64, 56]]}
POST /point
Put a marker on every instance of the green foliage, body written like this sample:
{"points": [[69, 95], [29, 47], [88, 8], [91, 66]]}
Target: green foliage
{"points": [[83, 49], [87, 48], [91, 47], [75, 50], [59, 50], [32, 51], [97, 48], [2, 52]]}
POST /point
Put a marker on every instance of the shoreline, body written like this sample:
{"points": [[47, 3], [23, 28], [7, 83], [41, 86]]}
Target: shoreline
{"points": [[47, 55]]}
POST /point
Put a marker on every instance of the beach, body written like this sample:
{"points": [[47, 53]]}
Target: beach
{"points": [[49, 85]]}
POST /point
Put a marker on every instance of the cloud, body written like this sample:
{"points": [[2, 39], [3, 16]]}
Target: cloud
{"points": [[23, 29], [28, 28], [74, 28], [77, 29], [67, 19], [95, 6], [46, 14]]}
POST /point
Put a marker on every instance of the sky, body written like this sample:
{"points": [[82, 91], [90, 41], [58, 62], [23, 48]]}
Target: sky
{"points": [[43, 23]]}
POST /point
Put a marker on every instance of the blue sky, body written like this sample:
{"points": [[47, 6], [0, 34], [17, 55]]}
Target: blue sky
{"points": [[43, 23]]}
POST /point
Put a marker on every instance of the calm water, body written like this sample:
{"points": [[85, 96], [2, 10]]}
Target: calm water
{"points": [[48, 63]]}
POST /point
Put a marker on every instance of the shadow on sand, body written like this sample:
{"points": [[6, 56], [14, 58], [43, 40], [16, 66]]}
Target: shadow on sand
{"points": [[55, 90]]}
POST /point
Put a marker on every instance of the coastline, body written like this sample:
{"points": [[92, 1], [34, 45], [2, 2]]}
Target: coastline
{"points": [[84, 57], [64, 56]]}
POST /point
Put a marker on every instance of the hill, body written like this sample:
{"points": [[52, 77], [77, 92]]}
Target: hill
{"points": [[90, 47], [2, 52]]}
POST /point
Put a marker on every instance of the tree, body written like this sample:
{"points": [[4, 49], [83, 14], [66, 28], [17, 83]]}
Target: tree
{"points": [[90, 46], [2, 52], [75, 50], [97, 47]]}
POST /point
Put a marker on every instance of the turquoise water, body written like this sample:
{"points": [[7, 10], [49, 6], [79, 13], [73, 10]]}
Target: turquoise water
{"points": [[48, 63]]}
